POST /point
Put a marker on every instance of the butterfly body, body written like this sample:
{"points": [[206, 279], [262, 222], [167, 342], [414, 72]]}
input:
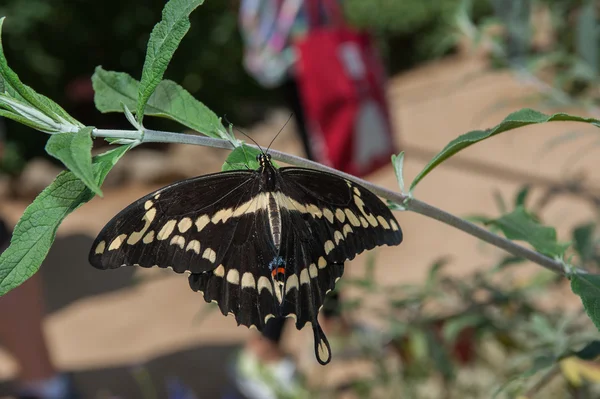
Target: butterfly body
{"points": [[261, 243]]}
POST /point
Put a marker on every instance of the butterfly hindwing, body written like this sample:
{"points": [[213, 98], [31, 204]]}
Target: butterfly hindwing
{"points": [[187, 225], [242, 283]]}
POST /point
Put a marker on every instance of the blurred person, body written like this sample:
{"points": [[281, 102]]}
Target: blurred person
{"points": [[22, 335]]}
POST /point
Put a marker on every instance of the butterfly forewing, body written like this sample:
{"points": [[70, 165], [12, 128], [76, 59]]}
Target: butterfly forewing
{"points": [[186, 226]]}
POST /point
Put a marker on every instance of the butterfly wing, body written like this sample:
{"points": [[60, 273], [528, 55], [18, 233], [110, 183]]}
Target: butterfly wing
{"points": [[326, 220], [188, 225], [242, 285]]}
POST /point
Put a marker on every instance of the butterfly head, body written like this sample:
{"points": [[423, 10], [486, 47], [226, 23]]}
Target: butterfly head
{"points": [[263, 159]]}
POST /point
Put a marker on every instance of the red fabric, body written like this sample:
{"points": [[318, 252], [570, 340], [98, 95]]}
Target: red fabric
{"points": [[336, 101]]}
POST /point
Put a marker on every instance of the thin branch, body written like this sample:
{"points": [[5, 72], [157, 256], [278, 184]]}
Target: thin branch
{"points": [[409, 203]]}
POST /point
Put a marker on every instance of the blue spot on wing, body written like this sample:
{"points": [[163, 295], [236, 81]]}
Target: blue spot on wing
{"points": [[276, 262]]}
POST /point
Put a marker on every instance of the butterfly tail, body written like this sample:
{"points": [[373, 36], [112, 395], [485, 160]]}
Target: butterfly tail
{"points": [[322, 348]]}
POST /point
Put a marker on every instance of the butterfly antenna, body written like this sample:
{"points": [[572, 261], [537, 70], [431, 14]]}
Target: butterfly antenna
{"points": [[239, 130], [280, 130]]}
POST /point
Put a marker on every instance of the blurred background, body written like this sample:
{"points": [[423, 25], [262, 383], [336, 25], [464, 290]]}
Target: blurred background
{"points": [[439, 316]]}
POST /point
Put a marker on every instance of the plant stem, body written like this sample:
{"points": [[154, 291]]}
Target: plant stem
{"points": [[409, 203]]}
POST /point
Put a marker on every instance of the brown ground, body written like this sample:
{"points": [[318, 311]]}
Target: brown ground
{"points": [[103, 325]]}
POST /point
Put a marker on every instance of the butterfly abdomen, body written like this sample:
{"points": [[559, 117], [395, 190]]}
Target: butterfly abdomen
{"points": [[274, 221]]}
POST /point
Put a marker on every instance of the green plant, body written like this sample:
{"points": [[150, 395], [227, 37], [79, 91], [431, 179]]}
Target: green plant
{"points": [[71, 142]]}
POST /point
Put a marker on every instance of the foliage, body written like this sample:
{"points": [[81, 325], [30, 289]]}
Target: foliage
{"points": [[41, 38], [411, 31], [468, 336], [555, 45]]}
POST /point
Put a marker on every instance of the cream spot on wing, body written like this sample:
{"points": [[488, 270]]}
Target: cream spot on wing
{"points": [[264, 284], [116, 243], [278, 293], [292, 204], [372, 220], [157, 196], [340, 215], [210, 255], [269, 317], [166, 230], [394, 225], [219, 271], [314, 211], [323, 351], [364, 222], [304, 278], [383, 222], [322, 263], [329, 246], [352, 218], [148, 238], [337, 279], [328, 214], [292, 316], [347, 230], [178, 240], [100, 247], [201, 222], [248, 280], [148, 204], [193, 245], [222, 216], [253, 205], [312, 270], [233, 276], [253, 327], [292, 282], [184, 224], [338, 236], [137, 235], [356, 191]]}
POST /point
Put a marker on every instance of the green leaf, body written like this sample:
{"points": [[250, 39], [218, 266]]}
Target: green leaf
{"points": [[583, 241], [587, 286], [169, 100], [520, 225], [12, 85], [434, 271], [398, 161], [589, 352], [586, 34], [111, 89], [243, 157], [517, 119], [439, 354], [164, 40], [521, 196], [36, 230], [74, 151], [21, 119]]}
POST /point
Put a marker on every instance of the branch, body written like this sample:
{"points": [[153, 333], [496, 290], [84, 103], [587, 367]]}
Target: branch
{"points": [[409, 203]]}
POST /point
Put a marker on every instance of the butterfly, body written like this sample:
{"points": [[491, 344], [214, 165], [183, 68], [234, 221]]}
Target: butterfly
{"points": [[262, 244]]}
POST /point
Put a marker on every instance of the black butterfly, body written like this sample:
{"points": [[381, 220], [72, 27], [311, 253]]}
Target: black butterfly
{"points": [[261, 243]]}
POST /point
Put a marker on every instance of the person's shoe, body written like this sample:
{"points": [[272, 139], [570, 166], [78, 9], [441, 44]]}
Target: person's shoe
{"points": [[258, 380]]}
